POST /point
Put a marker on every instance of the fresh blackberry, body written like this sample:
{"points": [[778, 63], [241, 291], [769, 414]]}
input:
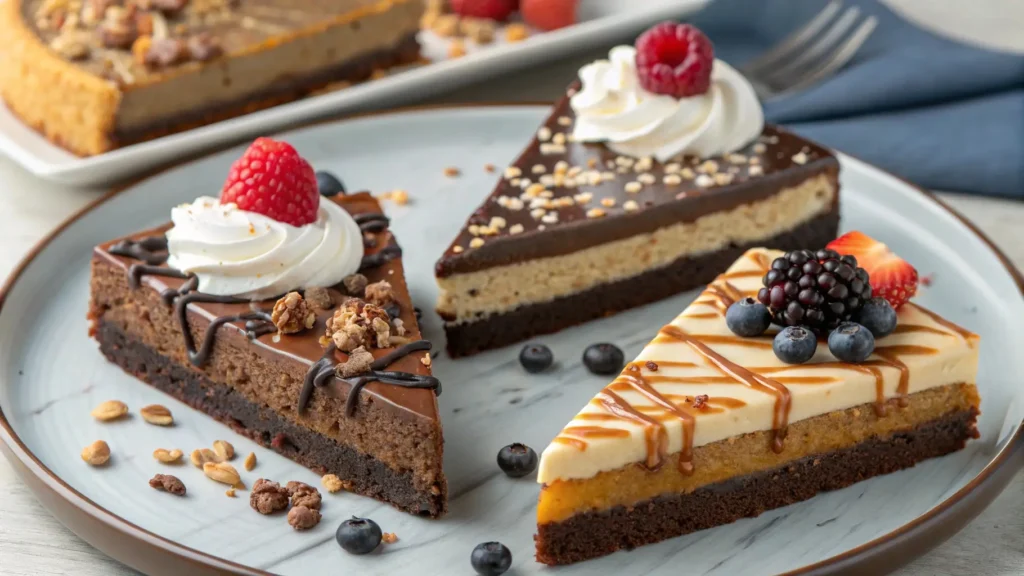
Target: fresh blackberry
{"points": [[818, 290]]}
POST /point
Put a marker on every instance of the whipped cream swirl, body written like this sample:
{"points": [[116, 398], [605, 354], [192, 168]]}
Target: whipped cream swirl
{"points": [[248, 255], [613, 107]]}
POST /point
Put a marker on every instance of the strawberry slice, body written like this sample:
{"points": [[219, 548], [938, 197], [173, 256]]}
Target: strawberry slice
{"points": [[890, 276]]}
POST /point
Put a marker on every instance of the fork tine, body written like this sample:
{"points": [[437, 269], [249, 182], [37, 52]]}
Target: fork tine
{"points": [[838, 59], [793, 71], [794, 42]]}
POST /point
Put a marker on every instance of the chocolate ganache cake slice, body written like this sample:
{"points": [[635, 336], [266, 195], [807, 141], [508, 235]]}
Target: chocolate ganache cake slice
{"points": [[626, 196], [296, 331]]}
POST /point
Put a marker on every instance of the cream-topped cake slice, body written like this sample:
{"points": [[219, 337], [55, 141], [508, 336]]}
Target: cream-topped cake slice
{"points": [[705, 427]]}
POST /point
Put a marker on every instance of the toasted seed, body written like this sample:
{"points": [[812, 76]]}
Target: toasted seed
{"points": [[222, 472], [97, 453], [250, 461], [201, 456], [109, 410], [223, 449], [157, 414], [167, 456]]}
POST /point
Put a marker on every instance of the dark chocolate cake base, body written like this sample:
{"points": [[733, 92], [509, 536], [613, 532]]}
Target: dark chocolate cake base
{"points": [[684, 274], [367, 475], [594, 534]]}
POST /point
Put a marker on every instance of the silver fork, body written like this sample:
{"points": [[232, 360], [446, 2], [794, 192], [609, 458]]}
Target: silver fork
{"points": [[812, 53]]}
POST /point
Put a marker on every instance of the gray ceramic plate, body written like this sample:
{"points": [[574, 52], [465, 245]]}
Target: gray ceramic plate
{"points": [[52, 375]]}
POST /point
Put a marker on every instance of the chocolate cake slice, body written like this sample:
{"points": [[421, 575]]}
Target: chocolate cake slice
{"points": [[369, 416], [574, 231]]}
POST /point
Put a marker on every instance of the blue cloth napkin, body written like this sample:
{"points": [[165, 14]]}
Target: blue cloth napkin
{"points": [[942, 114]]}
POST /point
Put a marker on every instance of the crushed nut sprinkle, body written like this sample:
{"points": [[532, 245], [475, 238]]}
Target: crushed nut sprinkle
{"points": [[109, 410], [630, 206], [687, 173], [800, 158], [704, 181], [292, 314], [303, 518], [398, 196], [651, 365], [250, 462], [515, 229], [760, 148], [595, 213], [456, 49], [355, 284], [168, 483], [756, 171], [357, 323], [202, 456], [230, 492], [672, 180], [452, 172], [672, 168], [723, 178], [608, 202], [457, 249], [516, 32], [268, 497], [97, 453], [380, 293], [564, 121], [646, 178], [157, 414], [700, 402], [223, 449], [332, 483], [167, 456], [551, 148], [633, 187], [476, 242], [512, 172]]}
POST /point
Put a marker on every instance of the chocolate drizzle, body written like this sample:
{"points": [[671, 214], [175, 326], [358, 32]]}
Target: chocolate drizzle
{"points": [[199, 356], [152, 250], [387, 254], [372, 222], [320, 373]]}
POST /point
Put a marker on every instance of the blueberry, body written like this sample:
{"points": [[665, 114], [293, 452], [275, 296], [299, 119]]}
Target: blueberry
{"points": [[329, 184], [748, 317], [536, 358], [359, 535], [877, 316], [851, 342], [794, 345], [517, 460], [491, 559], [603, 358]]}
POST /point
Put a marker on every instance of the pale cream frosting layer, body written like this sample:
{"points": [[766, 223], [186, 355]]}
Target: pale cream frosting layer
{"points": [[746, 385], [470, 296]]}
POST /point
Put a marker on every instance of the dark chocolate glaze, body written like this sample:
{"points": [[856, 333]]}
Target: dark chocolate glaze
{"points": [[151, 249], [412, 394], [659, 204]]}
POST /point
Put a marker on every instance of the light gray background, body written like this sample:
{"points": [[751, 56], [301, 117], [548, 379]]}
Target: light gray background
{"points": [[33, 543]]}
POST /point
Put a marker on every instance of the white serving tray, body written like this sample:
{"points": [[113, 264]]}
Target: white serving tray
{"points": [[601, 22]]}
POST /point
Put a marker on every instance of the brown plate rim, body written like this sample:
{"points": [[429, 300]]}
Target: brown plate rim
{"points": [[109, 532]]}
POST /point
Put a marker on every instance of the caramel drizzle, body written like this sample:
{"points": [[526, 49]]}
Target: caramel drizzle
{"points": [[723, 295], [654, 431], [596, 432], [640, 384], [783, 400], [963, 332]]}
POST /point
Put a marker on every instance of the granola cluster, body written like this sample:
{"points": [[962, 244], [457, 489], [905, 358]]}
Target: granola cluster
{"points": [[268, 497], [357, 323], [292, 314]]}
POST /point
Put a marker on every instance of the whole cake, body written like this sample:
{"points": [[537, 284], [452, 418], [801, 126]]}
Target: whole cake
{"points": [[94, 75], [633, 189], [286, 317], [721, 417]]}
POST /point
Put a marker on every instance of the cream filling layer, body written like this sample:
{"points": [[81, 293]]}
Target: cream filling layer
{"points": [[932, 351], [470, 296]]}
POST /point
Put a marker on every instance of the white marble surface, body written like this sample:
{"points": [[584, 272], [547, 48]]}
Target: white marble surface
{"points": [[33, 543]]}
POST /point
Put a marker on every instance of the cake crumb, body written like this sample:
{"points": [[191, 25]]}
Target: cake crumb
{"points": [[168, 483], [457, 49], [489, 168], [389, 538], [516, 32], [230, 493], [452, 172], [332, 483], [425, 360], [398, 196], [292, 314]]}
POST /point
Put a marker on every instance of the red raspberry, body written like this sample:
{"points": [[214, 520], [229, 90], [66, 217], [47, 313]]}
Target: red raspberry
{"points": [[549, 14], [498, 10], [272, 179], [674, 60]]}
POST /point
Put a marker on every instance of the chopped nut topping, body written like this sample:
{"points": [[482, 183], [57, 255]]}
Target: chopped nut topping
{"points": [[446, 25], [539, 169], [452, 172], [357, 323], [708, 167], [515, 229], [646, 178], [355, 284], [268, 497], [109, 410], [564, 121], [550, 218], [558, 138], [703, 180], [595, 213], [723, 178], [319, 298], [70, 46], [167, 456], [672, 168], [633, 187], [380, 293], [476, 242], [292, 314], [221, 472], [583, 197], [498, 222], [202, 456], [516, 32], [760, 148], [756, 171], [332, 483], [168, 483], [630, 206], [512, 172], [425, 360], [97, 453], [157, 414], [204, 47], [389, 538], [303, 518], [687, 173], [250, 462], [457, 249], [608, 202], [700, 402], [359, 362], [489, 168], [672, 179], [552, 148], [223, 449], [800, 158], [399, 196]]}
